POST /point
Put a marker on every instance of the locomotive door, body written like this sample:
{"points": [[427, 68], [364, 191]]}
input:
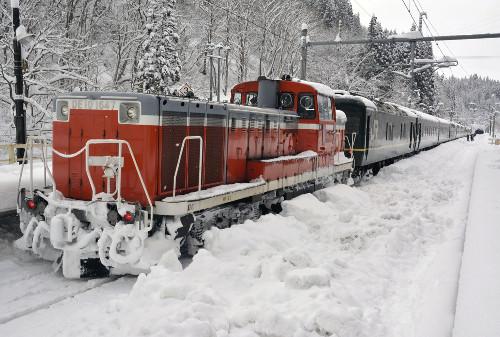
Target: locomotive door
{"points": [[418, 135], [412, 136], [97, 125], [196, 122], [174, 130], [76, 163]]}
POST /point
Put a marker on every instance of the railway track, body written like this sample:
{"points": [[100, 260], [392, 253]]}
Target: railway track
{"points": [[28, 284], [91, 285]]}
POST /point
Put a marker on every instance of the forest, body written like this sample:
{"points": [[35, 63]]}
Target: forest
{"points": [[156, 46]]}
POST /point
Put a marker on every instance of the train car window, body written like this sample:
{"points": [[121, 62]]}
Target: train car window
{"points": [[306, 106], [251, 99], [237, 98], [286, 100]]}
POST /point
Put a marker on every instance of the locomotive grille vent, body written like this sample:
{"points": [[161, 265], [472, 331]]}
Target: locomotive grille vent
{"points": [[174, 118], [244, 124], [197, 119], [217, 121]]}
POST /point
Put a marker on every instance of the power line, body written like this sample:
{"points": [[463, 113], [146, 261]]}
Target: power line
{"points": [[421, 9], [409, 12], [362, 8]]}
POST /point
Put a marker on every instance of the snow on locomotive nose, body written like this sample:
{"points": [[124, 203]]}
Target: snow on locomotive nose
{"points": [[139, 176]]}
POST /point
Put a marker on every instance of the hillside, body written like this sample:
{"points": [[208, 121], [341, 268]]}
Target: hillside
{"points": [[98, 45]]}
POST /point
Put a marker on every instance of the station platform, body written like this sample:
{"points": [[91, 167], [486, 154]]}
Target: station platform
{"points": [[478, 300]]}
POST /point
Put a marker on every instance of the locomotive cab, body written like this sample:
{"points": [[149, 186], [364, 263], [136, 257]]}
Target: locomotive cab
{"points": [[312, 102]]}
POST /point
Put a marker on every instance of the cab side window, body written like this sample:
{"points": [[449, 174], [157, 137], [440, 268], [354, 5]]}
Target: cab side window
{"points": [[306, 106], [325, 107], [237, 98]]}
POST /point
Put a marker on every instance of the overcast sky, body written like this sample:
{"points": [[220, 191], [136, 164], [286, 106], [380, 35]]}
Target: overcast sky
{"points": [[448, 17]]}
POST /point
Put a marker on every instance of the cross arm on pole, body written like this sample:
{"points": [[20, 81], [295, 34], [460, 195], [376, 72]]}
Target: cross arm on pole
{"points": [[407, 39]]}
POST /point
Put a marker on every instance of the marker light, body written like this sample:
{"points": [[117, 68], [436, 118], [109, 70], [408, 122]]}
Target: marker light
{"points": [[31, 204], [128, 217]]}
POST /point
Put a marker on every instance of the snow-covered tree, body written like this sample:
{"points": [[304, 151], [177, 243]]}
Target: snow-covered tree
{"points": [[159, 66], [424, 80]]}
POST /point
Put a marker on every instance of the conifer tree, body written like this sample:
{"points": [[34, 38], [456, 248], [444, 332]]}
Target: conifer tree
{"points": [[159, 65], [424, 80]]}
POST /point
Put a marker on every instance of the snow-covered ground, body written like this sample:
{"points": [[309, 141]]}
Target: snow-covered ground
{"points": [[9, 179], [478, 302], [381, 259]]}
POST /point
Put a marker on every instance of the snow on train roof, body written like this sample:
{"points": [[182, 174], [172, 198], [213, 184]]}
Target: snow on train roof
{"points": [[319, 87], [346, 94], [415, 113]]}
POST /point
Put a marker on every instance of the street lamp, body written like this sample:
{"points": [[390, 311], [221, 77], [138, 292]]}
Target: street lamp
{"points": [[20, 38]]}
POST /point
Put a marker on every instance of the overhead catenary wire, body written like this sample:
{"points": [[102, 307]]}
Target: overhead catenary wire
{"points": [[420, 8], [362, 8], [409, 12]]}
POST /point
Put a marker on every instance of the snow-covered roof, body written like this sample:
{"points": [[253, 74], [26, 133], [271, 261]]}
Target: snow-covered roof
{"points": [[408, 111], [319, 87], [347, 95], [407, 35], [443, 121]]}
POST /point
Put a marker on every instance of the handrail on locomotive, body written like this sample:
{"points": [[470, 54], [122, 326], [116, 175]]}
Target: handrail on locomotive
{"points": [[181, 153], [112, 167]]}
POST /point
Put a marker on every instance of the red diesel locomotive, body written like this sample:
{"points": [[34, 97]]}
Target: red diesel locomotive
{"points": [[138, 175]]}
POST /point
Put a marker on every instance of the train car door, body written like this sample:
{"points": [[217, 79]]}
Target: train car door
{"points": [[419, 128], [368, 131]]}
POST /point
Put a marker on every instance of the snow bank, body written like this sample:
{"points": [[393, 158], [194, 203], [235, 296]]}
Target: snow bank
{"points": [[344, 262]]}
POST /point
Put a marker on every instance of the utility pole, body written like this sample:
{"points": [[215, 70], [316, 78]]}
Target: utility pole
{"points": [[218, 72], [217, 84], [421, 20], [303, 60], [20, 118], [413, 51]]}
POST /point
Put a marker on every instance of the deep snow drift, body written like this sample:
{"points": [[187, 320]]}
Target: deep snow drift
{"points": [[377, 260]]}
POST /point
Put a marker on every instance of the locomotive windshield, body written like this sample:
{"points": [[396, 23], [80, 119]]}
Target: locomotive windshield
{"points": [[306, 106], [251, 99], [286, 101]]}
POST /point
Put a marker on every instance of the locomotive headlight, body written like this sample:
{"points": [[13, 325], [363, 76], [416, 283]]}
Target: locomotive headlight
{"points": [[64, 110], [132, 112]]}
